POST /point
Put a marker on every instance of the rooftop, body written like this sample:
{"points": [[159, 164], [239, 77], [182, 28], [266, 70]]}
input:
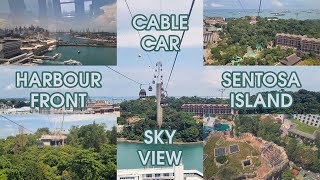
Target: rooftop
{"points": [[291, 60]]}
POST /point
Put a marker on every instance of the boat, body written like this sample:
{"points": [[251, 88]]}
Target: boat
{"points": [[37, 61], [51, 48], [56, 56], [78, 52], [72, 62]]}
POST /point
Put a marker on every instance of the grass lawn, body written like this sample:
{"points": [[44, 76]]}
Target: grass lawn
{"points": [[304, 127], [234, 160]]}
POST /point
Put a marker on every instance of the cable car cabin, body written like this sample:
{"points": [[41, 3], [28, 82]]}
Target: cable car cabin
{"points": [[142, 94], [40, 144], [150, 88], [164, 103]]}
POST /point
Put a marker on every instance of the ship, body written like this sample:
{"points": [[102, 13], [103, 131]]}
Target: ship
{"points": [[72, 62]]}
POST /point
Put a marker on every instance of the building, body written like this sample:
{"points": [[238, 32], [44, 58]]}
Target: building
{"points": [[309, 119], [9, 48], [56, 8], [102, 107], [52, 140], [301, 43], [79, 8], [17, 8], [42, 9], [168, 173], [201, 109], [291, 60]]}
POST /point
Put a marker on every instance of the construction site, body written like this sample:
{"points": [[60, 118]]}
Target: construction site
{"points": [[248, 157]]}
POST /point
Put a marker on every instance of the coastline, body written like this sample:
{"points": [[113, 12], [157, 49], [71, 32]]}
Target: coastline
{"points": [[141, 142]]}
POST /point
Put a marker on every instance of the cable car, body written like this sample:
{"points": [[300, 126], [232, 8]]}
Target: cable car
{"points": [[150, 88], [40, 144], [164, 102], [142, 94], [153, 82]]}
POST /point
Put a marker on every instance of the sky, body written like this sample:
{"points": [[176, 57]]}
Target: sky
{"points": [[104, 22], [266, 4]]}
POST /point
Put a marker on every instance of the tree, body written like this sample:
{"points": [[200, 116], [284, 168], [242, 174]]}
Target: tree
{"points": [[221, 159], [287, 174]]}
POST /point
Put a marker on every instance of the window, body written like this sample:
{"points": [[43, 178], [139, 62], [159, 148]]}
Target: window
{"points": [[157, 175]]}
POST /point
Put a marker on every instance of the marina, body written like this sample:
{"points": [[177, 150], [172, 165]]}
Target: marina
{"points": [[69, 48]]}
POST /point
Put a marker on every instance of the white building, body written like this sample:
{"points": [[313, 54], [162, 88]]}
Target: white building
{"points": [[9, 48], [166, 173], [309, 119]]}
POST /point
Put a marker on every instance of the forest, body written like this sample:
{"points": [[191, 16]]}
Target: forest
{"points": [[301, 153], [238, 34], [304, 102], [90, 153], [188, 129]]}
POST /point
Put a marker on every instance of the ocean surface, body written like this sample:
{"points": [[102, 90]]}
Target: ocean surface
{"points": [[289, 13], [87, 56], [128, 157], [53, 121]]}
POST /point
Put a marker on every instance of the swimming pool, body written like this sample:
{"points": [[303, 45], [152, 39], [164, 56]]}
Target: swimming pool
{"points": [[216, 127]]}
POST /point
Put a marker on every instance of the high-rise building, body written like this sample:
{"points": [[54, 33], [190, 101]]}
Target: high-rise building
{"points": [[79, 8], [49, 8], [17, 7], [56, 8], [42, 4]]}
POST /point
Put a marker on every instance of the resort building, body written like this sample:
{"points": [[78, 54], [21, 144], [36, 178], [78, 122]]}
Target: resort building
{"points": [[201, 109], [309, 119], [52, 140], [302, 43], [290, 128], [290, 60], [9, 48], [167, 173], [102, 107]]}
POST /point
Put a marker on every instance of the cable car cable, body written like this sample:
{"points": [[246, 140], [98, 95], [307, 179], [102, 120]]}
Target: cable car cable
{"points": [[16, 123], [126, 76], [151, 64], [175, 59]]}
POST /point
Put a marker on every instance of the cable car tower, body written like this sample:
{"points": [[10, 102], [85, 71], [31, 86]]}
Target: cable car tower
{"points": [[159, 91]]}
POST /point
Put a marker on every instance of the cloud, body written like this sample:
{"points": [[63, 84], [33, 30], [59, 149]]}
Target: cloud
{"points": [[3, 23], [216, 5], [10, 87], [277, 3], [108, 20]]}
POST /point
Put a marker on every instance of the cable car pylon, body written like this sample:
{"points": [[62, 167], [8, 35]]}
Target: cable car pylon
{"points": [[159, 93]]}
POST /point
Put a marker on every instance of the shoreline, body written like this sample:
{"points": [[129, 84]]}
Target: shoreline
{"points": [[141, 142]]}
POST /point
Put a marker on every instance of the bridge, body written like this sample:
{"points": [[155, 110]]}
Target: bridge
{"points": [[94, 44]]}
